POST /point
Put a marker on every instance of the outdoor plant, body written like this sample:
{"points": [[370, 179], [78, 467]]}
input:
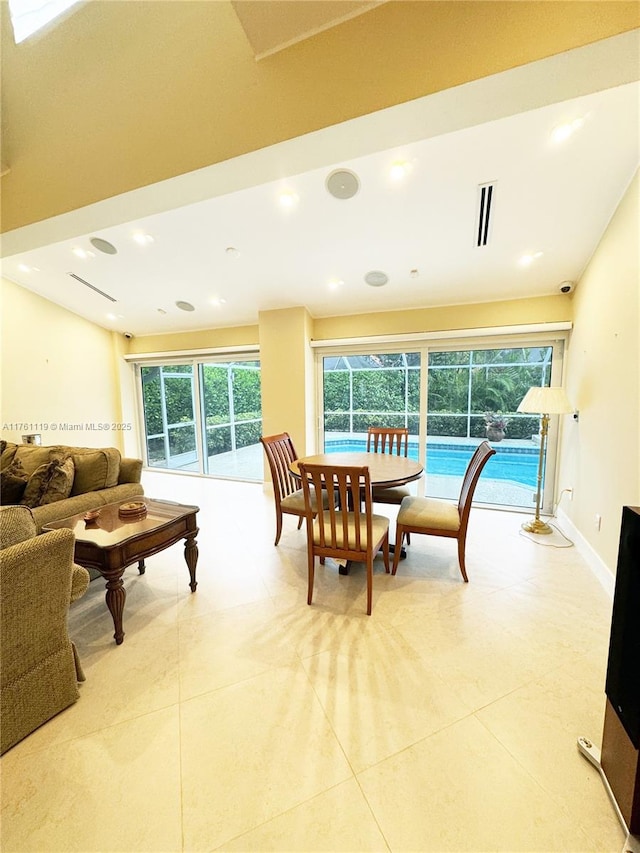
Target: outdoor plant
{"points": [[496, 421]]}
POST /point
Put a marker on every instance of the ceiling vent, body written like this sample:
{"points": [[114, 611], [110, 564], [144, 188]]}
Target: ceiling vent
{"points": [[342, 183], [486, 197], [91, 286]]}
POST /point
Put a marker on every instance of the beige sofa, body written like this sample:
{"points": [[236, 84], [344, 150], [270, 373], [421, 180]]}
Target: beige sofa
{"points": [[39, 667], [61, 480]]}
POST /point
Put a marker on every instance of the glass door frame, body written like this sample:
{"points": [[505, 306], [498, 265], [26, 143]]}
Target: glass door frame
{"points": [[441, 343], [194, 361]]}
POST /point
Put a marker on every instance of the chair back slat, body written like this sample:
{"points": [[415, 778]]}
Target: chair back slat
{"points": [[481, 456], [346, 525], [280, 452], [394, 441]]}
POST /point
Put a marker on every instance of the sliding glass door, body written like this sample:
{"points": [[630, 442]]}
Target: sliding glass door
{"points": [[204, 417], [450, 398]]}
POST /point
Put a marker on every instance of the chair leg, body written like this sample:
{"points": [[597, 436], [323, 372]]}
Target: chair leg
{"points": [[310, 562], [300, 520], [400, 534], [369, 584], [408, 539], [385, 553], [278, 526], [463, 569]]}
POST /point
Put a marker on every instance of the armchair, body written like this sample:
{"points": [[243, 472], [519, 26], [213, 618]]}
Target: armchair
{"points": [[39, 666]]}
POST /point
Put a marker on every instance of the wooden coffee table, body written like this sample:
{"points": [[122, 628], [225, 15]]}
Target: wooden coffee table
{"points": [[111, 543]]}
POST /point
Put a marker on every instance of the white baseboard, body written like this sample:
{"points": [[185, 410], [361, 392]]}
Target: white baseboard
{"points": [[594, 561]]}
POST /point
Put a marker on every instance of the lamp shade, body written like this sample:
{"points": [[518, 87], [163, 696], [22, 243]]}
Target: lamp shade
{"points": [[547, 401]]}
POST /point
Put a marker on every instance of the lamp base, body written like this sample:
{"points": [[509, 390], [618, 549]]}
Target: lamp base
{"points": [[536, 525]]}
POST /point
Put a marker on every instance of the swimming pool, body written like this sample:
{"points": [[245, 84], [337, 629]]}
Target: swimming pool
{"points": [[513, 464]]}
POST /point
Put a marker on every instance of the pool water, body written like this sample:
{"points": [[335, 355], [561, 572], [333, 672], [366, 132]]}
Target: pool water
{"points": [[513, 464]]}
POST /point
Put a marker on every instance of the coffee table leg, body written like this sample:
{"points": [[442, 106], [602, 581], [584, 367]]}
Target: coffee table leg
{"points": [[141, 567], [191, 556], [116, 596]]}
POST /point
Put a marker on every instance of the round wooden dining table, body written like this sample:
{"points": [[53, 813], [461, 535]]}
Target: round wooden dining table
{"points": [[384, 469]]}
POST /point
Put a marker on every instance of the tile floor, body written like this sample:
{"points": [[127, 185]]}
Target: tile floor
{"points": [[239, 718]]}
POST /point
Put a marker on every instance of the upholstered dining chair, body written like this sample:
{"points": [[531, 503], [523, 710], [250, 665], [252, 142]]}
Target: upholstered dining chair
{"points": [[440, 518], [395, 442], [347, 529], [289, 499]]}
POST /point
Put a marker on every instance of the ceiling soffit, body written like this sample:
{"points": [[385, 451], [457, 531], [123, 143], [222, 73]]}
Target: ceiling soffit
{"points": [[273, 26]]}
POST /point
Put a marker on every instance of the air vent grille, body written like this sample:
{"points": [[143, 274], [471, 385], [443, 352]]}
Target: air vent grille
{"points": [[486, 198], [92, 287]]}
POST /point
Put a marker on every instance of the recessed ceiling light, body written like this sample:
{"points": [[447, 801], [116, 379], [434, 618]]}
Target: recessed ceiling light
{"points": [[25, 268], [527, 260], [335, 283], [563, 131], [161, 311], [376, 278], [217, 302], [399, 170], [82, 253], [288, 198], [111, 317], [142, 239], [184, 306], [414, 273], [232, 252], [103, 246]]}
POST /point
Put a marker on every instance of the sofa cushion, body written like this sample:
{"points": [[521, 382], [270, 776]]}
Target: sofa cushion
{"points": [[49, 483], [7, 452], [31, 456], [12, 487], [17, 524], [96, 468]]}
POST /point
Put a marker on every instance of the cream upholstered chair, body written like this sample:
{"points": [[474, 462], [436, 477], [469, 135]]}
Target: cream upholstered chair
{"points": [[287, 493], [440, 518], [347, 529], [39, 667]]}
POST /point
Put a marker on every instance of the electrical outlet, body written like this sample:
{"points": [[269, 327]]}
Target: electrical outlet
{"points": [[598, 521]]}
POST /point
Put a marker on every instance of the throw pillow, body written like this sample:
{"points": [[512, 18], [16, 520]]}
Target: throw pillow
{"points": [[11, 488], [95, 469], [7, 452], [49, 483]]}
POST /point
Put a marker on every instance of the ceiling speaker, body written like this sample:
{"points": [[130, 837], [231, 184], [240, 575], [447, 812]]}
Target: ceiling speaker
{"points": [[376, 278], [342, 183], [103, 246]]}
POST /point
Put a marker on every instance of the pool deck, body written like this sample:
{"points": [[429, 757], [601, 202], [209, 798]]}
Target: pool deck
{"points": [[248, 464]]}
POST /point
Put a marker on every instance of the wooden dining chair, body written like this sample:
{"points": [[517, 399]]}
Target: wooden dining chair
{"points": [[441, 518], [347, 529], [394, 442], [289, 499]]}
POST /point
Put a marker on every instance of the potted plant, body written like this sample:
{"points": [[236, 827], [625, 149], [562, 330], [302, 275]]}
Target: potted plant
{"points": [[496, 424]]}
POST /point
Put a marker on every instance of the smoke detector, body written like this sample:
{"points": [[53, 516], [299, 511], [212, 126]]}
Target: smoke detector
{"points": [[342, 183]]}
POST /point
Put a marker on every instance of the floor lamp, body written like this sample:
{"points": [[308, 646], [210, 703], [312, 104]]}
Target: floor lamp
{"points": [[545, 402]]}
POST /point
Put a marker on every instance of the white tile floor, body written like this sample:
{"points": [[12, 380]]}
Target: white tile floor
{"points": [[239, 718]]}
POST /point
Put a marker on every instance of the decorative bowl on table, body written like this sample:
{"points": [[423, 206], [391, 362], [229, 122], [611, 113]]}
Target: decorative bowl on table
{"points": [[91, 516], [132, 510]]}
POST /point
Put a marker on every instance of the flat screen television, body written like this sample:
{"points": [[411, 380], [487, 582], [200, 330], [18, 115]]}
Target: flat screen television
{"points": [[623, 668]]}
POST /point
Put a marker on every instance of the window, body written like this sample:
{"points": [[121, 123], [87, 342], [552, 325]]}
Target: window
{"points": [[29, 16], [448, 397]]}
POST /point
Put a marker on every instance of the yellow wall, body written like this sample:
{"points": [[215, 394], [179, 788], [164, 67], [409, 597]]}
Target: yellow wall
{"points": [[148, 91], [200, 340], [545, 309], [600, 455], [56, 368]]}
